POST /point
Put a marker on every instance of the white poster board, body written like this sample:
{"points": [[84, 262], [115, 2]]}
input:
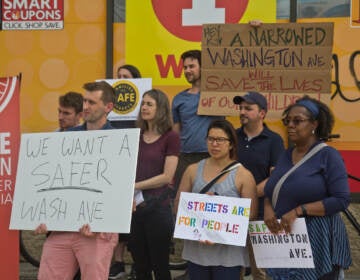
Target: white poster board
{"points": [[129, 94], [215, 218], [283, 250], [68, 179]]}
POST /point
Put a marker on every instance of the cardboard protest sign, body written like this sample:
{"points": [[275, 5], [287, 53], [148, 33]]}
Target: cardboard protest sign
{"points": [[215, 218], [277, 102], [273, 58], [129, 94], [68, 179], [282, 250]]}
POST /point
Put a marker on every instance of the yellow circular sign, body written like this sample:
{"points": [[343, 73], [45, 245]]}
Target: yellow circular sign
{"points": [[127, 97]]}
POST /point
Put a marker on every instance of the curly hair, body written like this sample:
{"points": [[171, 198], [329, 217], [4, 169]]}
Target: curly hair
{"points": [[323, 116]]}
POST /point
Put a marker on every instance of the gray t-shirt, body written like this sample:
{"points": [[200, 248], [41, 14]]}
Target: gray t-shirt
{"points": [[217, 254]]}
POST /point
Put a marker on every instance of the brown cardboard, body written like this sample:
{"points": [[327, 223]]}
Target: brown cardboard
{"points": [[223, 105], [309, 81], [289, 58], [268, 35], [274, 58]]}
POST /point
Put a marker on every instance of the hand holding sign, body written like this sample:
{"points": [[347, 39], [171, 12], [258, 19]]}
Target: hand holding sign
{"points": [[212, 219], [67, 180], [291, 250]]}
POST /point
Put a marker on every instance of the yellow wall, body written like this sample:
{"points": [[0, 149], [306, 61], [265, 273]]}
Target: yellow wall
{"points": [[355, 12], [53, 62], [346, 113]]}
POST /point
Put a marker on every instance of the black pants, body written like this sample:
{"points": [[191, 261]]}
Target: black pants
{"points": [[150, 243]]}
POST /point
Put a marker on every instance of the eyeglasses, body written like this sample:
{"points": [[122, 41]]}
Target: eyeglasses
{"points": [[295, 121], [218, 140]]}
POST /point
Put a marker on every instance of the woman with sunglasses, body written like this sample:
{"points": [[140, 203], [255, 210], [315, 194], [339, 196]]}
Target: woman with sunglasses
{"points": [[317, 190], [218, 261]]}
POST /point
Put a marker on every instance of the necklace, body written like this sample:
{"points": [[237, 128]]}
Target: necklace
{"points": [[149, 138]]}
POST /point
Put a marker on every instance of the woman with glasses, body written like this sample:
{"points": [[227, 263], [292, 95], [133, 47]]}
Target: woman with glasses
{"points": [[218, 261], [316, 189]]}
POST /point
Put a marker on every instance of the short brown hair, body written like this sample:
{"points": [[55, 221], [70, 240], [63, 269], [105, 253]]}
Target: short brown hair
{"points": [[72, 99], [108, 92], [194, 54]]}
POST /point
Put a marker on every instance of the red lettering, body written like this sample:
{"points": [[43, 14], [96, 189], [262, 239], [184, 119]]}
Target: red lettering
{"points": [[170, 63], [210, 81], [205, 102], [223, 102], [317, 85]]}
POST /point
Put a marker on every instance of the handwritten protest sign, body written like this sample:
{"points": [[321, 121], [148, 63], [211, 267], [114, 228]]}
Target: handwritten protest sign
{"points": [[277, 102], [218, 219], [273, 58], [69, 179], [281, 250], [129, 94]]}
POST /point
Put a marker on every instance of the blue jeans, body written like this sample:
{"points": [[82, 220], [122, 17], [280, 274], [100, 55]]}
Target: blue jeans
{"points": [[213, 272]]}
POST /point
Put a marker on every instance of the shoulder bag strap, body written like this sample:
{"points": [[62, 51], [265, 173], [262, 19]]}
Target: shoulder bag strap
{"points": [[228, 168], [299, 163]]}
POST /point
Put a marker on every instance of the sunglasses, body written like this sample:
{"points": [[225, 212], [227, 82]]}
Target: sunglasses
{"points": [[295, 121]]}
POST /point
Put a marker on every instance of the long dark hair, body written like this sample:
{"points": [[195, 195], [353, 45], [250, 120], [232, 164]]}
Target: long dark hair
{"points": [[135, 73], [229, 130]]}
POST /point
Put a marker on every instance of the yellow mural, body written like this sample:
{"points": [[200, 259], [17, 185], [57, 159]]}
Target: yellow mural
{"points": [[155, 37], [345, 95], [53, 62]]}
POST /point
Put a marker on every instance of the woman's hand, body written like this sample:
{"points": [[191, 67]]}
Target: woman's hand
{"points": [[134, 205], [41, 229], [270, 218], [211, 193], [287, 220], [206, 242], [86, 231]]}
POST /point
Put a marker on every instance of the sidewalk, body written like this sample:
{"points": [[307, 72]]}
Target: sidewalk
{"points": [[28, 272]]}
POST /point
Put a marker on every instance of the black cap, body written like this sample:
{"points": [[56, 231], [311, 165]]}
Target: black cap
{"points": [[252, 97]]}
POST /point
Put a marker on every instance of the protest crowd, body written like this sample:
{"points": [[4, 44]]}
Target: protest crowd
{"points": [[243, 203], [182, 152]]}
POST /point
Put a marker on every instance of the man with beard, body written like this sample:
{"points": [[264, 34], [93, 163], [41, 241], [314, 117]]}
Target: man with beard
{"points": [[258, 150], [191, 126]]}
